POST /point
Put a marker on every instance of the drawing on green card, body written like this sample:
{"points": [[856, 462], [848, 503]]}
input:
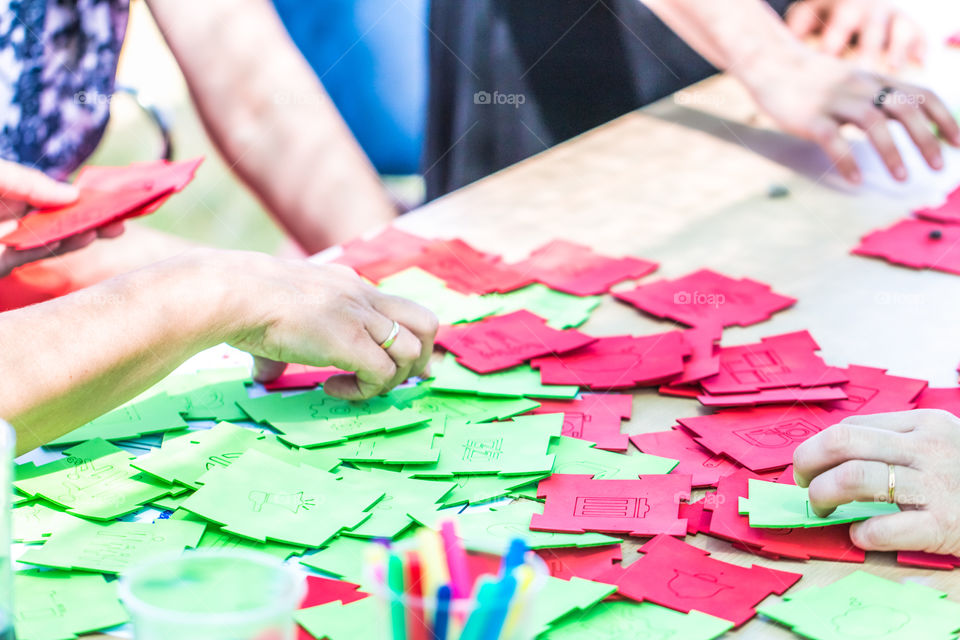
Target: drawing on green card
{"points": [[36, 521], [57, 605], [471, 408], [787, 506], [477, 489]]}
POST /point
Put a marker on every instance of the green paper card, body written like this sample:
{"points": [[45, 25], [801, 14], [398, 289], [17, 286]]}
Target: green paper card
{"points": [[518, 447], [388, 517], [490, 530], [211, 394], [112, 548], [470, 408], [477, 489], [787, 506], [95, 480], [156, 414], [451, 307], [343, 558], [362, 619], [408, 446], [57, 605], [170, 503], [560, 310], [261, 498], [35, 522], [517, 382], [621, 620], [560, 598], [214, 538], [575, 456], [862, 605]]}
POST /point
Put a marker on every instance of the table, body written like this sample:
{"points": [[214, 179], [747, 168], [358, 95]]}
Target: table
{"points": [[690, 189]]}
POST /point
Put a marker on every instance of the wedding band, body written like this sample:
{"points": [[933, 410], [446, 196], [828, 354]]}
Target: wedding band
{"points": [[891, 483], [394, 332], [881, 98]]}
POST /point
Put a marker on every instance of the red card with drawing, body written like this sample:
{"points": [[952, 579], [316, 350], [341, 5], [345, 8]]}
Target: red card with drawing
{"points": [[107, 194], [704, 359], [594, 416], [580, 562], [787, 360], [871, 390], [920, 244], [707, 297], [704, 467], [928, 560], [646, 506], [301, 376], [787, 395], [682, 577], [389, 244], [576, 269], [618, 362], [948, 212], [501, 342], [759, 438], [823, 543]]}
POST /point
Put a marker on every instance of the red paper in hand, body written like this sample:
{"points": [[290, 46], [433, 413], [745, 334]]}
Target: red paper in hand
{"points": [[642, 507], [594, 416], [761, 438], [824, 543], [501, 342], [788, 395], [301, 376], [708, 298], [920, 244], [683, 577], [948, 212], [576, 269], [107, 194], [787, 360], [703, 467], [872, 390], [586, 562], [389, 244], [618, 362], [928, 560]]}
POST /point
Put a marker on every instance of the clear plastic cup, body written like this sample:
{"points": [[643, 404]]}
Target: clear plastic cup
{"points": [[516, 626], [8, 439], [212, 595]]}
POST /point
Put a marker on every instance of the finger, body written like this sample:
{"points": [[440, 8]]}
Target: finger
{"points": [[864, 481], [873, 122], [373, 366], [76, 242], [10, 260], [112, 230], [940, 115], [876, 33], [420, 321], [907, 530], [404, 350], [843, 442], [903, 38], [34, 187], [904, 109], [826, 133], [267, 370], [803, 19], [898, 421], [841, 25]]}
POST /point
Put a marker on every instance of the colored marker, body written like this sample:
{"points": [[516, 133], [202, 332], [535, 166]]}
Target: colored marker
{"points": [[456, 560], [395, 586], [442, 620], [416, 618], [514, 558], [433, 559], [497, 614], [525, 577], [477, 622]]}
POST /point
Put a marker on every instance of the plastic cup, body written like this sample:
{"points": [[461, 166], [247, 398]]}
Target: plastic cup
{"points": [[516, 626], [212, 595], [8, 440]]}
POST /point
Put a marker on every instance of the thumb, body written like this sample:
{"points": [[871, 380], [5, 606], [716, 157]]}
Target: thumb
{"points": [[267, 370], [25, 184]]}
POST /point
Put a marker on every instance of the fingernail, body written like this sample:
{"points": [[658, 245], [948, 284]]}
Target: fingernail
{"points": [[937, 163], [900, 173], [855, 177]]}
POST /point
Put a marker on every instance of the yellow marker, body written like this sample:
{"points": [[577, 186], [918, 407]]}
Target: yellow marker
{"points": [[435, 573], [525, 577]]}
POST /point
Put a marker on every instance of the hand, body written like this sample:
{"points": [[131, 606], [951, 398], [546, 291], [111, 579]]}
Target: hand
{"points": [[873, 28], [296, 311], [811, 95], [849, 461], [23, 188]]}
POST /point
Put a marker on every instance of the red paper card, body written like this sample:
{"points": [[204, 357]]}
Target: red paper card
{"points": [[618, 362], [107, 194], [682, 577], [920, 244], [301, 376], [703, 467], [698, 519], [947, 399], [928, 560], [594, 416], [948, 212], [576, 269], [954, 40], [787, 360], [642, 507], [872, 390], [824, 543], [760, 438], [788, 395], [681, 390], [707, 297], [501, 342], [322, 590], [585, 562], [704, 360], [389, 244]]}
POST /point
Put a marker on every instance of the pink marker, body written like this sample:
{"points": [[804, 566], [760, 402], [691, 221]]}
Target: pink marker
{"points": [[456, 560]]}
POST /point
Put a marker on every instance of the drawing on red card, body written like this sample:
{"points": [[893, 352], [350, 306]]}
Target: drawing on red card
{"points": [[695, 585], [610, 507], [777, 435], [573, 424], [857, 397], [483, 449], [756, 367], [869, 621]]}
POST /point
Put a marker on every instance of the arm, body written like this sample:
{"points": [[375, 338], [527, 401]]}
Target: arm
{"points": [[69, 360], [809, 94], [270, 117]]}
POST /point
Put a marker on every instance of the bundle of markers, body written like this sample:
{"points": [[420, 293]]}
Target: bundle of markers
{"points": [[431, 594]]}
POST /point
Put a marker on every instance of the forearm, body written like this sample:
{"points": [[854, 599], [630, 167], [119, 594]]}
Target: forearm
{"points": [[269, 115], [67, 361]]}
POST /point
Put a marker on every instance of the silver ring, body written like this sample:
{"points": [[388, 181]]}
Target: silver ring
{"points": [[394, 332], [882, 97]]}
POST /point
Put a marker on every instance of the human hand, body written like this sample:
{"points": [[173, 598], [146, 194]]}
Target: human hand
{"points": [[873, 28], [297, 311], [23, 188], [812, 95], [849, 461]]}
